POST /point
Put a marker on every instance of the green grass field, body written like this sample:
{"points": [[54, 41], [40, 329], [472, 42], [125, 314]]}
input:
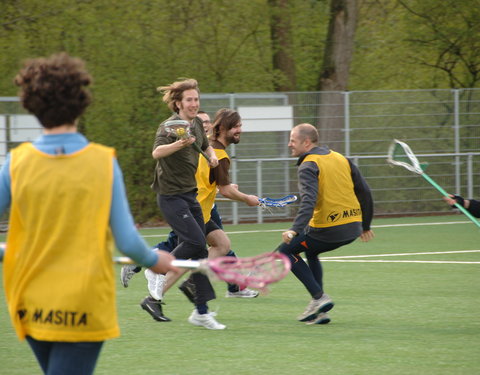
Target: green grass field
{"points": [[402, 314]]}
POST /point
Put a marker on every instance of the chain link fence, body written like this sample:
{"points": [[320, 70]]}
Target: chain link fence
{"points": [[441, 126]]}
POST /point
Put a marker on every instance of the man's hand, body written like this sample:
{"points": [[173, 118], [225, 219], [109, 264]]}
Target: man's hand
{"points": [[213, 161], [288, 235], [367, 235], [452, 199], [164, 263], [252, 200], [184, 142]]}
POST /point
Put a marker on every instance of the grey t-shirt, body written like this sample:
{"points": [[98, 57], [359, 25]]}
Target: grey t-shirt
{"points": [[175, 174]]}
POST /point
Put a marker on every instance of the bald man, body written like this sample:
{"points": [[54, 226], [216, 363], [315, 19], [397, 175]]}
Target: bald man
{"points": [[336, 208]]}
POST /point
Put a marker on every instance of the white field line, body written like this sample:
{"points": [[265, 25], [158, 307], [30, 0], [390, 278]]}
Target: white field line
{"points": [[348, 258], [419, 224], [402, 254], [283, 230], [126, 260], [395, 261]]}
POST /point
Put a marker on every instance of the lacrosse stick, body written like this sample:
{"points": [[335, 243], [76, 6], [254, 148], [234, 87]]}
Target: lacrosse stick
{"points": [[253, 272], [400, 154], [279, 202], [181, 129]]}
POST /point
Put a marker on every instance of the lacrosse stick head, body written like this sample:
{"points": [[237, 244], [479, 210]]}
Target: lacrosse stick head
{"points": [[279, 202], [254, 272], [182, 129], [178, 128], [399, 153]]}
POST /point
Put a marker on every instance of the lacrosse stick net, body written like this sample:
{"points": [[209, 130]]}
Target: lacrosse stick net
{"points": [[182, 129], [278, 202], [253, 272], [399, 153]]}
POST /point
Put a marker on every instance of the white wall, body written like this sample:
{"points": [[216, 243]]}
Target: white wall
{"points": [[22, 128], [266, 119]]}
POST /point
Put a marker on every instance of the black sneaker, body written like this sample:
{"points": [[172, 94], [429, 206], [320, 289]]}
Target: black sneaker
{"points": [[154, 308], [321, 318], [188, 288]]}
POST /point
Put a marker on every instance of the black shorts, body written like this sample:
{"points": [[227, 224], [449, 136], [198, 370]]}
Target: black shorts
{"points": [[210, 226]]}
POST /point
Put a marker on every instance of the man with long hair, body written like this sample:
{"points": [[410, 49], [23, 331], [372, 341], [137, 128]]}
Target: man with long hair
{"points": [[176, 188]]}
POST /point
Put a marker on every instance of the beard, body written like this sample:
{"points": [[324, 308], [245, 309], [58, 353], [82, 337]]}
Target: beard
{"points": [[233, 139]]}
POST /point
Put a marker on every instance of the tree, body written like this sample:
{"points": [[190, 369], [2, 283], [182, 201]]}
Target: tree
{"points": [[282, 47], [444, 36], [335, 70], [131, 47]]}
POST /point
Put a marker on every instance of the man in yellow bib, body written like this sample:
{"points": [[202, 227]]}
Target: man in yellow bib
{"points": [[336, 208], [226, 130]]}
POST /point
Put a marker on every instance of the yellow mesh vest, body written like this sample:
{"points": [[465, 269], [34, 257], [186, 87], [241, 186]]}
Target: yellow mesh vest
{"points": [[337, 204], [206, 190], [58, 272]]}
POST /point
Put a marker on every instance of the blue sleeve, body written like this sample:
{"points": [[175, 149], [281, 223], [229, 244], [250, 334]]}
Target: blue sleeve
{"points": [[5, 193], [127, 238]]}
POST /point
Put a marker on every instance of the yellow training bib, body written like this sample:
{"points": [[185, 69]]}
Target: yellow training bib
{"points": [[336, 202], [206, 190], [58, 272]]}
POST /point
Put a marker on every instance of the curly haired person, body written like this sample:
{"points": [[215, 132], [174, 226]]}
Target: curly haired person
{"points": [[68, 206]]}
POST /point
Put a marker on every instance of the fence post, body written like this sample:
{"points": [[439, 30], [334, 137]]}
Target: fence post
{"points": [[259, 191], [470, 175], [231, 99], [234, 181], [456, 131], [346, 121]]}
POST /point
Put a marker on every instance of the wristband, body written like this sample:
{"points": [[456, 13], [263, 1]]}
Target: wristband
{"points": [[459, 200]]}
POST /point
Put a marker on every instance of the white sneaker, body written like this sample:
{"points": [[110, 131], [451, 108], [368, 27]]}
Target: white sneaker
{"points": [[315, 307], [205, 320], [245, 293], [156, 282]]}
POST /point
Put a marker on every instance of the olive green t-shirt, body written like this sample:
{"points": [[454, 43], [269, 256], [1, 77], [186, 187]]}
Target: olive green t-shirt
{"points": [[175, 174]]}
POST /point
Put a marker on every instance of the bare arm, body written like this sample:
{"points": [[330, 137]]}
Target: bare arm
{"points": [[231, 192], [163, 151], [213, 160]]}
